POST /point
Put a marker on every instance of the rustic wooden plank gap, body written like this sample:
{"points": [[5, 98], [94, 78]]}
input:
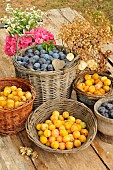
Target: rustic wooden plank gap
{"points": [[100, 156]]}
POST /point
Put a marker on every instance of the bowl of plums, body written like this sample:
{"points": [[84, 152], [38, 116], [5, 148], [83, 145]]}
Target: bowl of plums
{"points": [[50, 71], [103, 110]]}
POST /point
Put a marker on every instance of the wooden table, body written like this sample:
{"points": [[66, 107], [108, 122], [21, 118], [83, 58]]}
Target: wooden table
{"points": [[98, 156]]}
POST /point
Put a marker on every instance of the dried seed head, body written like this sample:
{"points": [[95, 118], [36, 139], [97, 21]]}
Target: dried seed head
{"points": [[22, 150], [34, 154], [29, 151]]}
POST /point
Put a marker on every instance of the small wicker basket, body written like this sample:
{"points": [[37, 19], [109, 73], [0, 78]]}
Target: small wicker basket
{"points": [[105, 125], [76, 109], [13, 120], [89, 99], [48, 84]]}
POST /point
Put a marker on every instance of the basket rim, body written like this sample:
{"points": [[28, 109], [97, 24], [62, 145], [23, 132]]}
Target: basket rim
{"points": [[26, 83], [91, 96], [64, 70], [98, 115], [44, 147]]}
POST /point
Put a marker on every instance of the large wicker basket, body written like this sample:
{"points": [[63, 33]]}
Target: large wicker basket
{"points": [[89, 99], [48, 84], [77, 109], [13, 120]]}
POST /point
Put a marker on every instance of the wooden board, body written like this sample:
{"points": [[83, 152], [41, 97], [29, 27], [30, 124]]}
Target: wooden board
{"points": [[105, 151], [93, 158], [75, 161], [6, 66], [10, 159]]}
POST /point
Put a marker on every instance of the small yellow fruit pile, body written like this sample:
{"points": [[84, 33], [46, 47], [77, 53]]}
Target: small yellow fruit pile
{"points": [[12, 97], [62, 131], [95, 84]]}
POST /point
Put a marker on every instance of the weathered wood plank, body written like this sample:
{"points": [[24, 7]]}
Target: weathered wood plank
{"points": [[55, 21], [9, 146], [105, 151], [109, 47], [10, 159], [6, 66], [110, 69], [69, 14], [76, 161]]}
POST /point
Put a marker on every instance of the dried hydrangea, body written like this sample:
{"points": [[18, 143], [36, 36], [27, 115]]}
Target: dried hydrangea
{"points": [[86, 39]]}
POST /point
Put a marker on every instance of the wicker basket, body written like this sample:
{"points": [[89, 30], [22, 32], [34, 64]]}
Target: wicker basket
{"points": [[105, 125], [13, 120], [86, 98], [77, 109], [49, 84]]}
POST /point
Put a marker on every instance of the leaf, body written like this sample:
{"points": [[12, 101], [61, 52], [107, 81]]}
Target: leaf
{"points": [[48, 46]]}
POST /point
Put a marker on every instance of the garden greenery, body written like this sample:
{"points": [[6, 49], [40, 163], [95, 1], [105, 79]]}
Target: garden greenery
{"points": [[19, 20]]}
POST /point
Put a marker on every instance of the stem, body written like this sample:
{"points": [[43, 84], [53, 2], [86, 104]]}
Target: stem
{"points": [[46, 47]]}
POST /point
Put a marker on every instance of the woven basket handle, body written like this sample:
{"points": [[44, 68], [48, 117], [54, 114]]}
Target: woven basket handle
{"points": [[18, 40]]}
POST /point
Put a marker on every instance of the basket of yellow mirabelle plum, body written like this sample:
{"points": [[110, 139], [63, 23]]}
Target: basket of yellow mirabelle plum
{"points": [[62, 126], [92, 86], [16, 103]]}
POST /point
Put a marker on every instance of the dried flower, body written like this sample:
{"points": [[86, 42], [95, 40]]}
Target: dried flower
{"points": [[92, 64], [34, 154], [28, 151], [86, 39]]}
